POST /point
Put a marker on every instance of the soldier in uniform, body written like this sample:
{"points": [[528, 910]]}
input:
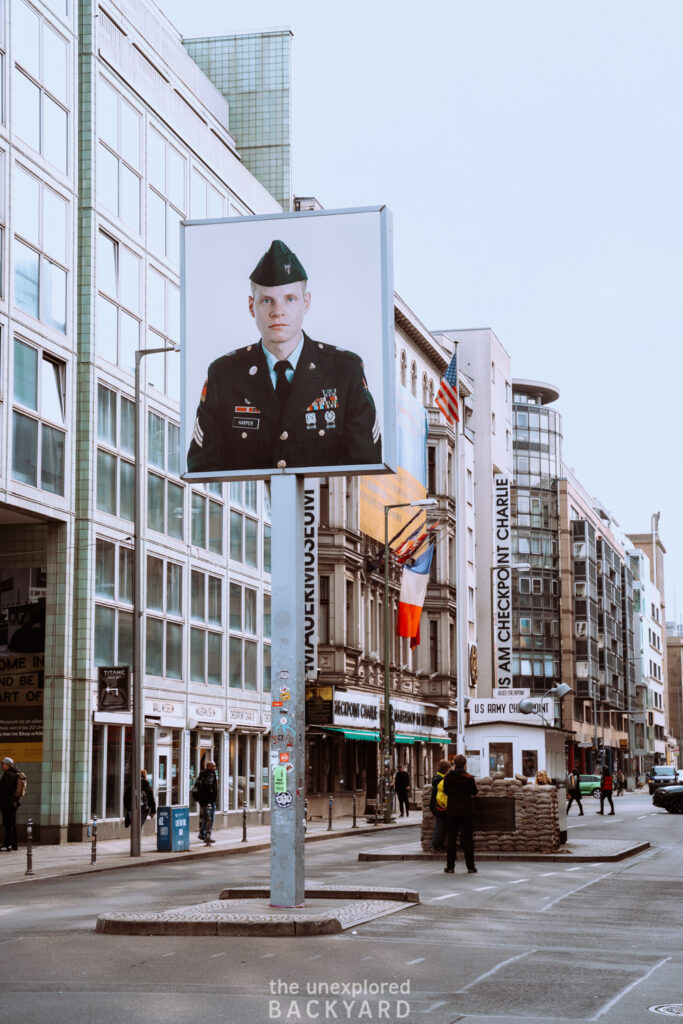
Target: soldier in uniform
{"points": [[287, 401]]}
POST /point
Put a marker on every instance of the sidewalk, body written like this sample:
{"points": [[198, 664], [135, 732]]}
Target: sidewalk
{"points": [[74, 858]]}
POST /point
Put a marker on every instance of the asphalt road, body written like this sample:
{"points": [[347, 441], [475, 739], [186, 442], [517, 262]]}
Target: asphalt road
{"points": [[517, 943]]}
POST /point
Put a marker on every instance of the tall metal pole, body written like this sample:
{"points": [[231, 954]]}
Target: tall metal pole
{"points": [[461, 587], [388, 752], [287, 827], [138, 609]]}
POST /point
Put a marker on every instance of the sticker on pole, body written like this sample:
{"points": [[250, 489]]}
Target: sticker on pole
{"points": [[280, 779], [283, 799]]}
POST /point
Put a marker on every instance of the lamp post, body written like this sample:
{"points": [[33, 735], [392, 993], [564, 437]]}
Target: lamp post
{"points": [[526, 704], [138, 606], [388, 739]]}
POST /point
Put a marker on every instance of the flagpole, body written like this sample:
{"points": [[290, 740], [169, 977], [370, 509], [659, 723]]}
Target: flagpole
{"points": [[460, 580]]}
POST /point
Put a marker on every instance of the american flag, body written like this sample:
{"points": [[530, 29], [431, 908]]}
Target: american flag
{"points": [[447, 395]]}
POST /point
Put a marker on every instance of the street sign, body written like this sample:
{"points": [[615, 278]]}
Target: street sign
{"points": [[113, 688]]}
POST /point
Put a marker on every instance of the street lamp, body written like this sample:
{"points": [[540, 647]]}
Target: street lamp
{"points": [[138, 609], [388, 738], [527, 704]]}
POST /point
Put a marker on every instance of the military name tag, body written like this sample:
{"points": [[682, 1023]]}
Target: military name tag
{"points": [[246, 422]]}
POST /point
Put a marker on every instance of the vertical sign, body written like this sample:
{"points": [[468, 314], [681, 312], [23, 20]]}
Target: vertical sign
{"points": [[311, 518], [502, 582]]}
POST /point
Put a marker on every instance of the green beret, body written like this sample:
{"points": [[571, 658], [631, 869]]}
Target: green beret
{"points": [[278, 266]]}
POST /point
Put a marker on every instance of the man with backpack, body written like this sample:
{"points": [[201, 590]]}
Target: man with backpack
{"points": [[437, 805], [12, 788], [205, 792]]}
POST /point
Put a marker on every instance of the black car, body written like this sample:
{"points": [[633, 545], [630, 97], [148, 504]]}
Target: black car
{"points": [[661, 775], [670, 798]]}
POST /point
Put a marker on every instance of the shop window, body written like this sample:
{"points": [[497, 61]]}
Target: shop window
{"points": [[39, 417], [500, 759]]}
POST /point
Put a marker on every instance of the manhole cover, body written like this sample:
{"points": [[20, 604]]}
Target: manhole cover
{"points": [[668, 1009]]}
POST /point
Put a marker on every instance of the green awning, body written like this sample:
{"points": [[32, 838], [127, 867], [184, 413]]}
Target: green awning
{"points": [[353, 734], [404, 739]]}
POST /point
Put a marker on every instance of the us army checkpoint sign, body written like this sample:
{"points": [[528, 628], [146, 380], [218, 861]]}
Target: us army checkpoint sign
{"points": [[250, 288]]}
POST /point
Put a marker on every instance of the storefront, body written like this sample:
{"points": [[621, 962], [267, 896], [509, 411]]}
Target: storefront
{"points": [[499, 738]]}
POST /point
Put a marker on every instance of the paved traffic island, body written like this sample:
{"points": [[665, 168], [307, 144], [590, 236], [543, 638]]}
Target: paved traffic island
{"points": [[577, 851], [247, 912]]}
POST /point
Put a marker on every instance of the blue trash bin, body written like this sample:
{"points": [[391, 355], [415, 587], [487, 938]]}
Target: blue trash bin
{"points": [[173, 828]]}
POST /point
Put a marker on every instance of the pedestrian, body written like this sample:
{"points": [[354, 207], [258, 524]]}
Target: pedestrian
{"points": [[440, 820], [621, 783], [9, 802], [459, 786], [285, 400], [574, 790], [542, 778], [402, 788], [205, 792], [148, 805], [606, 787]]}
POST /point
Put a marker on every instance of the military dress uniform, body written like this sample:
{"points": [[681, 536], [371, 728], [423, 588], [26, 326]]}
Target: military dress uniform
{"points": [[328, 418]]}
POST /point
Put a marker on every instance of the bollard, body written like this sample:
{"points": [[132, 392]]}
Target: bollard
{"points": [[93, 845], [355, 802], [329, 818], [244, 824], [376, 818], [29, 846]]}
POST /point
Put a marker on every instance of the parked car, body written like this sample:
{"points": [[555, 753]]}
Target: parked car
{"points": [[670, 798], [589, 785], [661, 775], [679, 775]]}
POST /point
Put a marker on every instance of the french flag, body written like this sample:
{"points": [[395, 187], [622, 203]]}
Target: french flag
{"points": [[412, 597]]}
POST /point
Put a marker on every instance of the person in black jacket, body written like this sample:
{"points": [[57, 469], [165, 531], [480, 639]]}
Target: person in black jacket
{"points": [[8, 803], [402, 789], [148, 805], [205, 792], [459, 786], [574, 791]]}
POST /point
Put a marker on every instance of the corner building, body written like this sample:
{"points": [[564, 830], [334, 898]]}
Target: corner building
{"points": [[113, 135]]}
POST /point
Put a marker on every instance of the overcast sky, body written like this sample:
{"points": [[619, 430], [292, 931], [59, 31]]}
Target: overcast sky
{"points": [[531, 155]]}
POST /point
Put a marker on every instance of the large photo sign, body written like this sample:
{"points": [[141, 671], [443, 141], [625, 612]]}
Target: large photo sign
{"points": [[502, 582], [287, 347]]}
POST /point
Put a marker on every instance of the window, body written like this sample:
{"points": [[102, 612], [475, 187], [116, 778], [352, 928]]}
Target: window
{"points": [[118, 302], [163, 315], [431, 469], [324, 610], [39, 85], [207, 523], [206, 637], [114, 569], [118, 155], [243, 538], [164, 637], [205, 200], [165, 196], [40, 250], [165, 499], [115, 439], [243, 637], [38, 418]]}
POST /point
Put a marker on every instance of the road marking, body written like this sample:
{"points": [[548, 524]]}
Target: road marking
{"points": [[546, 873], [574, 869], [518, 880], [482, 887], [641, 816], [264, 956], [493, 970], [446, 897], [366, 958], [572, 891], [417, 960], [628, 988], [164, 955], [214, 956], [317, 956]]}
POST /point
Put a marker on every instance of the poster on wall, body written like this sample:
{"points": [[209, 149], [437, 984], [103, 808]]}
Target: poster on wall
{"points": [[22, 660], [287, 345]]}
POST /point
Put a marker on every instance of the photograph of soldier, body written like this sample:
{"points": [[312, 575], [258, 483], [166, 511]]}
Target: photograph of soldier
{"points": [[286, 400]]}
